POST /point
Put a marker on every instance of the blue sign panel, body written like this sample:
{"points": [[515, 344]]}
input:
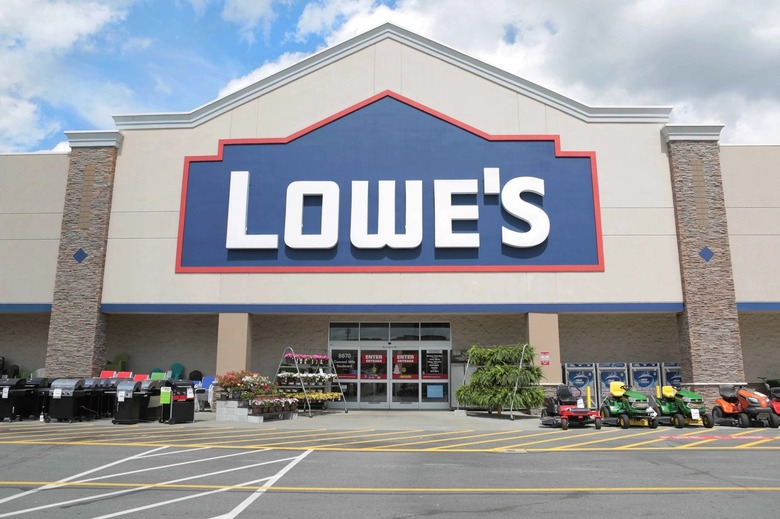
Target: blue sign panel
{"points": [[390, 186]]}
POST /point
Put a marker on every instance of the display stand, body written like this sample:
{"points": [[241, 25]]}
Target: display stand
{"points": [[296, 374]]}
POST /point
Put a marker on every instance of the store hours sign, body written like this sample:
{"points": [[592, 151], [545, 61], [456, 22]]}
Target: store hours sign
{"points": [[390, 186]]}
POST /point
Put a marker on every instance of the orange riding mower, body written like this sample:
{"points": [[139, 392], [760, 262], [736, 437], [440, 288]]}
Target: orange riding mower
{"points": [[739, 405]]}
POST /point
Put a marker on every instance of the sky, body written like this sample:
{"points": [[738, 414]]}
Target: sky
{"points": [[73, 64]]}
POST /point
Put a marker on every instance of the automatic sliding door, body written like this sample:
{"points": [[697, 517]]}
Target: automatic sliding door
{"points": [[373, 379]]}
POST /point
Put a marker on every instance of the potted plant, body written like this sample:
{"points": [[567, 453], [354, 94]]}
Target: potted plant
{"points": [[500, 370]]}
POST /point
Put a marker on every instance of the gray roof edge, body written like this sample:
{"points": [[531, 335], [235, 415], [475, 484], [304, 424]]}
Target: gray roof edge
{"points": [[206, 112]]}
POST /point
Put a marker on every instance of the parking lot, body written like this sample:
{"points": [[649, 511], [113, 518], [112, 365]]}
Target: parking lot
{"points": [[361, 462]]}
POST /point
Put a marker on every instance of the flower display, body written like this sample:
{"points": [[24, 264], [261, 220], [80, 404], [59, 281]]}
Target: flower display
{"points": [[302, 358], [325, 396], [308, 379], [246, 384]]}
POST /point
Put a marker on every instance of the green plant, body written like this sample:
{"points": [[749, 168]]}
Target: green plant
{"points": [[499, 369]]}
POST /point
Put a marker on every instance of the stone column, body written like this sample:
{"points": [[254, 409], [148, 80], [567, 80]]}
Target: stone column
{"points": [[710, 342], [234, 342], [77, 329]]}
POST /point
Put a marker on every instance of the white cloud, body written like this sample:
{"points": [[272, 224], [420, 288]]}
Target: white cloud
{"points": [[714, 61], [281, 63], [21, 125], [35, 39], [248, 14]]}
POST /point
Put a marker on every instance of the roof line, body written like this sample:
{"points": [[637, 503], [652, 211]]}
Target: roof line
{"points": [[388, 31]]}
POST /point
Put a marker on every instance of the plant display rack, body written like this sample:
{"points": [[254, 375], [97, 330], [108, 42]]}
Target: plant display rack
{"points": [[312, 375]]}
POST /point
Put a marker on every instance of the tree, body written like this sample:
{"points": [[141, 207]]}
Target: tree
{"points": [[499, 370]]}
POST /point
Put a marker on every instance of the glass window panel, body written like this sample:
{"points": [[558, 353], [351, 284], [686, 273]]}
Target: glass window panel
{"points": [[406, 392], [435, 364], [375, 331], [373, 393], [406, 364], [404, 331], [346, 362], [344, 332], [373, 364], [350, 391], [435, 392], [435, 331]]}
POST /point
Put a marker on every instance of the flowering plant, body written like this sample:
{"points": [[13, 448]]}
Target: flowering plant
{"points": [[301, 358], [320, 397], [246, 384]]}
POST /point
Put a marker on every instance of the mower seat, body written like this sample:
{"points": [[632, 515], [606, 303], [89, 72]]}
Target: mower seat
{"points": [[568, 394], [617, 388], [728, 392], [668, 392], [774, 392]]}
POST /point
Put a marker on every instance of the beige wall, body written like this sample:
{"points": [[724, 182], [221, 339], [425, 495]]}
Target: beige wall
{"points": [[32, 197], [638, 223], [751, 186]]}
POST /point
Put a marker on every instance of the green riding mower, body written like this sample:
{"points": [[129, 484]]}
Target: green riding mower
{"points": [[680, 408], [624, 407]]}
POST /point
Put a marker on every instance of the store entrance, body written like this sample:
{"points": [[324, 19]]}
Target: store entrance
{"points": [[408, 368]]}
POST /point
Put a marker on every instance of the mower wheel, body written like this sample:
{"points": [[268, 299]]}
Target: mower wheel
{"points": [[707, 420], [654, 421], [717, 413], [604, 412], [774, 421], [744, 420], [597, 423], [678, 420], [624, 422], [564, 424]]}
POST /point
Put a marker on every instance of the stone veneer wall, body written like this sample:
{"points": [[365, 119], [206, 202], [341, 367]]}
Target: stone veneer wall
{"points": [[711, 349], [77, 332]]}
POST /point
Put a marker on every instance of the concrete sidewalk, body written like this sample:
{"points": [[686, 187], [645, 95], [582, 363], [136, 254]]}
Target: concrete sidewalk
{"points": [[387, 420]]}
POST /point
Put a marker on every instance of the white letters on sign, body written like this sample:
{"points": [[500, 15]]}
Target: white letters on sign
{"points": [[445, 213]]}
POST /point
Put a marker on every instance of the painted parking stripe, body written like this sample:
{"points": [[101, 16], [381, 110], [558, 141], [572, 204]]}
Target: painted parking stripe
{"points": [[708, 440]]}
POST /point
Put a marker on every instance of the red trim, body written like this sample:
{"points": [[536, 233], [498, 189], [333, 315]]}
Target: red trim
{"points": [[599, 267]]}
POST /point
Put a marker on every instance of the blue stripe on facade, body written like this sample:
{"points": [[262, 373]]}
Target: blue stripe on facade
{"points": [[28, 308], [758, 307], [113, 308], [389, 309]]}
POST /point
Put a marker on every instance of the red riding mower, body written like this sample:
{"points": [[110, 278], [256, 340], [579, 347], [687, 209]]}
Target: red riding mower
{"points": [[773, 392], [741, 406], [567, 408]]}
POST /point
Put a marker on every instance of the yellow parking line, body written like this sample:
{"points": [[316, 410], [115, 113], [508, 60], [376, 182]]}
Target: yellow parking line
{"points": [[634, 445], [437, 440], [350, 435], [701, 442], [564, 447], [298, 438], [561, 435], [456, 445]]}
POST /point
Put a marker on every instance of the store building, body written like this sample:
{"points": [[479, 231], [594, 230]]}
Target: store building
{"points": [[393, 202]]}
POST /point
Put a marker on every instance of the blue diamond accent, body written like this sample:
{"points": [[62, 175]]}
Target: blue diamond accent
{"points": [[706, 254], [80, 255]]}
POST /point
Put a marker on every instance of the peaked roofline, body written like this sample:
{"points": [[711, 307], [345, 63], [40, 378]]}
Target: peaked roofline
{"points": [[388, 31]]}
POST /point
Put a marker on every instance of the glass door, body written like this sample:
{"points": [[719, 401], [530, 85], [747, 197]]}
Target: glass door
{"points": [[392, 365]]}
